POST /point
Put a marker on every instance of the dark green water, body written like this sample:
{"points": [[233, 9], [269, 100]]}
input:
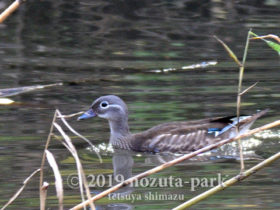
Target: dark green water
{"points": [[114, 47]]}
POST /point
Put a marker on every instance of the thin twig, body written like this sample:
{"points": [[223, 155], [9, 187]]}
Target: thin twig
{"points": [[173, 162], [10, 10], [229, 182], [42, 200], [270, 36], [71, 115], [94, 148], [21, 189], [247, 89]]}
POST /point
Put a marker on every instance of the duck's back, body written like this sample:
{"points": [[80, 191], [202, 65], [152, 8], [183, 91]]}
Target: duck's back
{"points": [[175, 137], [189, 136]]}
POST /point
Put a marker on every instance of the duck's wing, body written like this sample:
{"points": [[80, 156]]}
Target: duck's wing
{"points": [[182, 137]]}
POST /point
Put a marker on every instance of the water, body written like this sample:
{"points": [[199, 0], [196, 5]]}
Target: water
{"points": [[114, 47]]}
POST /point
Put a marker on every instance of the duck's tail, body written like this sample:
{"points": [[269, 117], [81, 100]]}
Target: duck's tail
{"points": [[243, 124], [248, 122]]}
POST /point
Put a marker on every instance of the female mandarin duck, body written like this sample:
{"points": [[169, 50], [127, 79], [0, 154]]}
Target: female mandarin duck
{"points": [[179, 137]]}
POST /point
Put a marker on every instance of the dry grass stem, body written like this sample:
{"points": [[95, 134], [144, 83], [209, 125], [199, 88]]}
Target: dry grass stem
{"points": [[68, 144], [174, 162], [25, 182], [71, 115], [82, 178], [79, 135], [58, 178], [42, 194], [269, 36], [239, 94], [229, 51], [228, 183], [9, 10], [73, 153], [238, 101]]}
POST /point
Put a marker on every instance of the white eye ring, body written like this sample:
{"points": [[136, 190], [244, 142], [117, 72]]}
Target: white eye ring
{"points": [[104, 105]]}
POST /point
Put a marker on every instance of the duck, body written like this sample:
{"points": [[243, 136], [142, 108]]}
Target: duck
{"points": [[172, 137]]}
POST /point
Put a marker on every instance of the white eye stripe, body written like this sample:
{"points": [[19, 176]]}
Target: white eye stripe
{"points": [[106, 105], [116, 106]]}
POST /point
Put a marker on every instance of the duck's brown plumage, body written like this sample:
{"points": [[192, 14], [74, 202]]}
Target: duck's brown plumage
{"points": [[185, 136], [179, 137]]}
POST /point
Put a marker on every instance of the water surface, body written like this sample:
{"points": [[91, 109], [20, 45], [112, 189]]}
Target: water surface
{"points": [[116, 47]]}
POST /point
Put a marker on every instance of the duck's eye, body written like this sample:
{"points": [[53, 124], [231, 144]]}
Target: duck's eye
{"points": [[104, 104]]}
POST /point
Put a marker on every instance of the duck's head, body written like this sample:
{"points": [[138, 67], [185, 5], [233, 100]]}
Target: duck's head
{"points": [[109, 107]]}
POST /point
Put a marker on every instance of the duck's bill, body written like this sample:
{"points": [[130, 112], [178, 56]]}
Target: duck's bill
{"points": [[87, 114]]}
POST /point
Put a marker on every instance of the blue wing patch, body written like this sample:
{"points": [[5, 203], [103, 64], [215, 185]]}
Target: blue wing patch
{"points": [[218, 131], [214, 131]]}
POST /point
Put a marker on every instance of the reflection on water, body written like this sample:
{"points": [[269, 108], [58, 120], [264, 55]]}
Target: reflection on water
{"points": [[111, 47]]}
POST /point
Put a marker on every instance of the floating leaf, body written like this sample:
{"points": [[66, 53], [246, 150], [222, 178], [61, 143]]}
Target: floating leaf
{"points": [[200, 65], [16, 91], [203, 64], [6, 101]]}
